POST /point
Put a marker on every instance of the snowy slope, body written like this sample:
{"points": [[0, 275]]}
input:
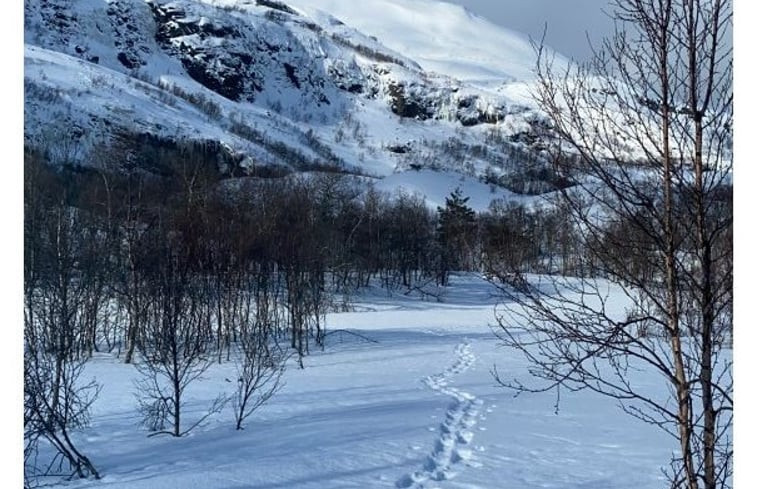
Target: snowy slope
{"points": [[440, 36], [297, 85]]}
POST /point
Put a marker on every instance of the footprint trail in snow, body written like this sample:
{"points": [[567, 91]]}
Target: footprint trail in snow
{"points": [[451, 449]]}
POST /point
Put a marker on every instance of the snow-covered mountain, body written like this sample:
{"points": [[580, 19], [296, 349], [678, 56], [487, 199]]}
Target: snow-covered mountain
{"points": [[374, 88]]}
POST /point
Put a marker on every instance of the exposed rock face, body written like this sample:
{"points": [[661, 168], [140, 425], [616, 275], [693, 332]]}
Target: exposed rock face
{"points": [[128, 37], [409, 103], [216, 55]]}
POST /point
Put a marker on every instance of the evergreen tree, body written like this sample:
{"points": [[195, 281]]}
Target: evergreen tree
{"points": [[456, 234]]}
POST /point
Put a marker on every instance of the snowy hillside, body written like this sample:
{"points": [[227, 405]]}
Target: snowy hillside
{"points": [[385, 88], [441, 37]]}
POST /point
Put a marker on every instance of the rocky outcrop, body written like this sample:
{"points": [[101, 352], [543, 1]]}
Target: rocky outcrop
{"points": [[407, 102]]}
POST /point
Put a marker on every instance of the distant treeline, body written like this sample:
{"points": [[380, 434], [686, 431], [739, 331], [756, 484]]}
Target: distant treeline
{"points": [[131, 212]]}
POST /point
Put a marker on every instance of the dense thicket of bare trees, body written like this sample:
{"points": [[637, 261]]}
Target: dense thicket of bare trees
{"points": [[175, 267], [62, 295], [648, 123]]}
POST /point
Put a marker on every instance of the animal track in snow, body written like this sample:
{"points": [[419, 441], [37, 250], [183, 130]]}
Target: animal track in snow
{"points": [[451, 447]]}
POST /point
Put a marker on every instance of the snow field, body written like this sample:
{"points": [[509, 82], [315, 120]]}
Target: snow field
{"points": [[417, 409]]}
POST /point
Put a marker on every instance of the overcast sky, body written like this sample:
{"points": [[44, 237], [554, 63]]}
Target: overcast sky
{"points": [[568, 21]]}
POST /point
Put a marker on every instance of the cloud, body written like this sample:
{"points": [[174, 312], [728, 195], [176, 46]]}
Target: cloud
{"points": [[568, 21]]}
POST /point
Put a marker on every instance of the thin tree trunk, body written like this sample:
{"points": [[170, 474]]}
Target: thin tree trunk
{"points": [[683, 395]]}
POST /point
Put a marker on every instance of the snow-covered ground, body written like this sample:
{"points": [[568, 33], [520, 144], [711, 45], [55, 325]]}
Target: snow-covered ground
{"points": [[416, 407]]}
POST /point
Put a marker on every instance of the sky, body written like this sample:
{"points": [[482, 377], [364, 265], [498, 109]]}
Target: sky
{"points": [[568, 21]]}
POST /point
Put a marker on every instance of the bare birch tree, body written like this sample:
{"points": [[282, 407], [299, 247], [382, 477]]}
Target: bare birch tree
{"points": [[648, 126]]}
